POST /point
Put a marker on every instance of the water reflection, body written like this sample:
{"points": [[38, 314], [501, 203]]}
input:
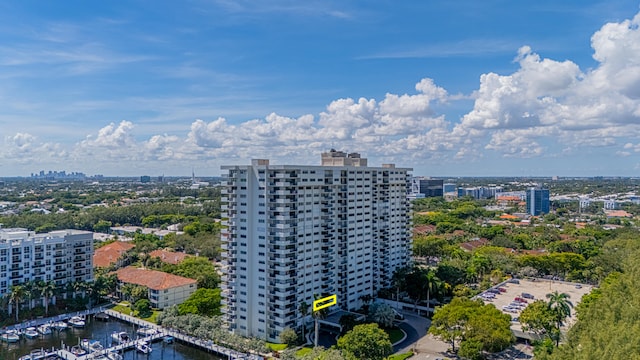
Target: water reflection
{"points": [[101, 331]]}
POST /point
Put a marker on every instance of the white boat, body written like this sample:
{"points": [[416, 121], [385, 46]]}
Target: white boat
{"points": [[60, 325], [112, 355], [120, 337], [39, 354], [44, 329], [91, 345], [147, 331], [10, 336], [77, 321], [31, 333], [77, 350], [143, 347]]}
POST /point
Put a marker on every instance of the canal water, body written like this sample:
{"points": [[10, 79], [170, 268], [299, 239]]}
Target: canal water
{"points": [[101, 331]]}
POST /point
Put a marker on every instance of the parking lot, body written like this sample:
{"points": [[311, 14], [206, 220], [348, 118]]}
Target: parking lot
{"points": [[506, 294]]}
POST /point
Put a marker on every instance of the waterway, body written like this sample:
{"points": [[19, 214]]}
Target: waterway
{"points": [[101, 331]]}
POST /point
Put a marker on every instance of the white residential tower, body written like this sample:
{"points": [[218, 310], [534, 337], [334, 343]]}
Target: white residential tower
{"points": [[293, 232]]}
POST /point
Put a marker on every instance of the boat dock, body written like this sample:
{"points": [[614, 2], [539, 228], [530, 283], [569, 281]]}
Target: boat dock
{"points": [[206, 345]]}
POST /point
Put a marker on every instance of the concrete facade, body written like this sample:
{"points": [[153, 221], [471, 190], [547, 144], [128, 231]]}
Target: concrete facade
{"points": [[295, 232]]}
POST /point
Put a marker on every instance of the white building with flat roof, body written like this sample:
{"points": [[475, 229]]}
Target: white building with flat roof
{"points": [[294, 232], [63, 256]]}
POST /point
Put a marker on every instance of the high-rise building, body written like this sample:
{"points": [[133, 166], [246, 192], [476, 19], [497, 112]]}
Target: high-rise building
{"points": [[63, 256], [294, 232], [427, 187], [537, 201]]}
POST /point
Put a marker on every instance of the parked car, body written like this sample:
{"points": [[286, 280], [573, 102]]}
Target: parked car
{"points": [[502, 290], [514, 281], [527, 295]]}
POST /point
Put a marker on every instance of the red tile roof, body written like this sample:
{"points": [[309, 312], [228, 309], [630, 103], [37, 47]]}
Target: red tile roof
{"points": [[169, 257], [424, 229], [156, 280], [110, 253]]}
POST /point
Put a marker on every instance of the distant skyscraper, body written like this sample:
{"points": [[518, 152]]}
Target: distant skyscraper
{"points": [[537, 201], [293, 232]]}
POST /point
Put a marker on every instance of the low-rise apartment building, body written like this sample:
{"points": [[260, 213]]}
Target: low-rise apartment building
{"points": [[63, 256], [164, 289]]}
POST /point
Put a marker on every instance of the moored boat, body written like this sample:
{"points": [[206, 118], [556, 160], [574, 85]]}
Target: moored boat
{"points": [[146, 331], [91, 345], [60, 325], [77, 321], [10, 336], [39, 354], [44, 329], [112, 355], [120, 337], [31, 333], [143, 347], [168, 339], [78, 350]]}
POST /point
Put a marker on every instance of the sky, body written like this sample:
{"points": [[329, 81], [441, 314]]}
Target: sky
{"points": [[448, 88]]}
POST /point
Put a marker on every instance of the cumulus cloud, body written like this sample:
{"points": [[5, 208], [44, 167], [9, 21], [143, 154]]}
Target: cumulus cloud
{"points": [[557, 100], [544, 108]]}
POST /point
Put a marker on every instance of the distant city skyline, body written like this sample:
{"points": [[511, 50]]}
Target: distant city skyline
{"points": [[468, 88]]}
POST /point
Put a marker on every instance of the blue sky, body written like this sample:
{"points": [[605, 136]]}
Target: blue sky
{"points": [[478, 88]]}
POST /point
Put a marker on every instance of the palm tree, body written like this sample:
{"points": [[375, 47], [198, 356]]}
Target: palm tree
{"points": [[16, 296], [48, 290], [303, 309], [561, 306], [432, 284], [31, 291]]}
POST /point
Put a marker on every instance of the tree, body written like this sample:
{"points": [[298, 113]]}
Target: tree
{"points": [[303, 309], [538, 318], [47, 289], [143, 307], [382, 314], [102, 226], [448, 321], [202, 302], [17, 293], [288, 336], [366, 341], [464, 320], [561, 306]]}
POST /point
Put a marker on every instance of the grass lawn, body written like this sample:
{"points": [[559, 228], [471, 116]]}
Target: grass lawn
{"points": [[303, 351], [124, 308], [395, 335], [276, 347], [400, 356]]}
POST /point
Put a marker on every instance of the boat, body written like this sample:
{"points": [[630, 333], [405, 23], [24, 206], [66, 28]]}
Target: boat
{"points": [[168, 339], [146, 331], [102, 316], [78, 350], [10, 336], [38, 354], [60, 325], [120, 337], [77, 322], [31, 333], [44, 329], [113, 355], [143, 347], [91, 345]]}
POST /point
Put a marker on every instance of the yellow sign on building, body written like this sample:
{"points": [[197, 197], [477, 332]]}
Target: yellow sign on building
{"points": [[325, 302]]}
